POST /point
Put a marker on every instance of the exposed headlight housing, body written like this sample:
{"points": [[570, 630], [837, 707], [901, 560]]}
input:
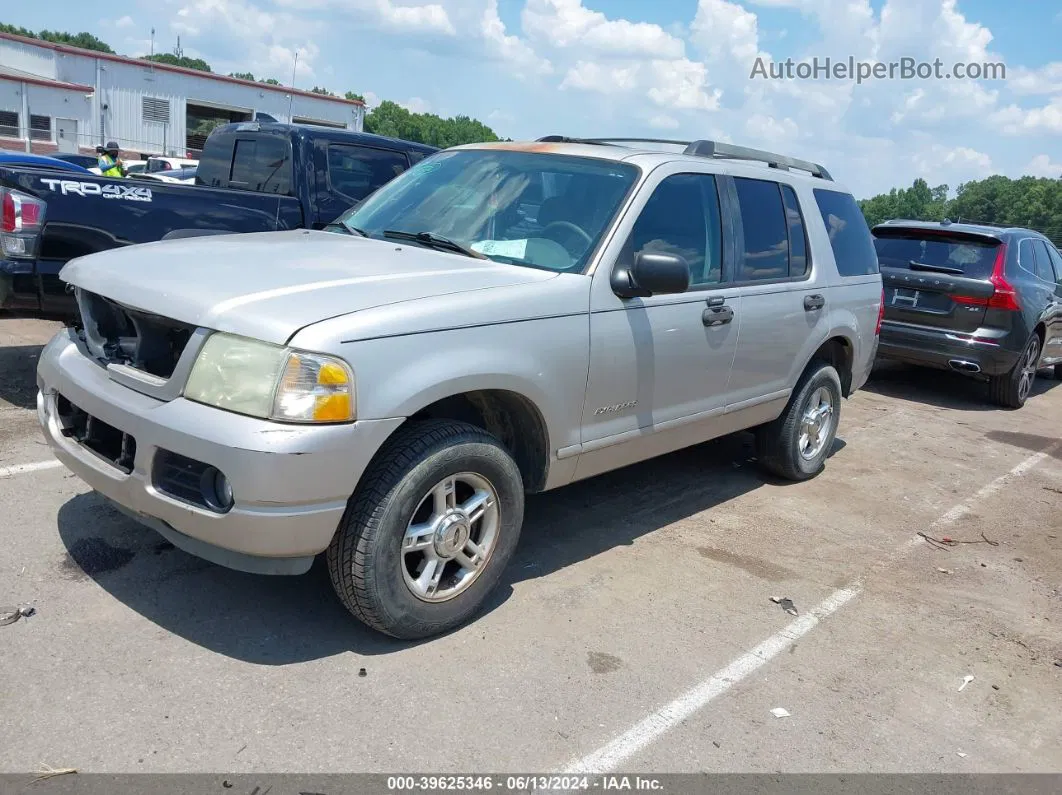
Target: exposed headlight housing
{"points": [[271, 382]]}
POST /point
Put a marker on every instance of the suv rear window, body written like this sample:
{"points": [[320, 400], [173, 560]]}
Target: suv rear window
{"points": [[912, 250], [853, 247]]}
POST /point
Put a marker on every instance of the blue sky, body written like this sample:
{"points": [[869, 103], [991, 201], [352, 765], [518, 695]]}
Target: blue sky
{"points": [[660, 68]]}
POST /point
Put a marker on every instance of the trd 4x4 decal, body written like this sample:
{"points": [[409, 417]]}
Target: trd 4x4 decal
{"points": [[132, 193]]}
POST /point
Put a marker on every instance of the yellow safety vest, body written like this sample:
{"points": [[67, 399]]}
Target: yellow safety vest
{"points": [[109, 166]]}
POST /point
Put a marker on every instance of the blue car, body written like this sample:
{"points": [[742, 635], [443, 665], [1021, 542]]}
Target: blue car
{"points": [[25, 160]]}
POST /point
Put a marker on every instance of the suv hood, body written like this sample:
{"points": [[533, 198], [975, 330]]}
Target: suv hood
{"points": [[269, 285]]}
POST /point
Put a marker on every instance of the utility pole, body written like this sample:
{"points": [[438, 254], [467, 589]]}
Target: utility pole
{"points": [[152, 41], [291, 92]]}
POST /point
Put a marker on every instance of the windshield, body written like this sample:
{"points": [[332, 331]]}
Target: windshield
{"points": [[539, 210]]}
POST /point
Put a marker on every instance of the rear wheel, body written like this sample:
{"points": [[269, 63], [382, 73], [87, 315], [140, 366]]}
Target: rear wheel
{"points": [[1058, 372], [795, 445], [1012, 389], [429, 530]]}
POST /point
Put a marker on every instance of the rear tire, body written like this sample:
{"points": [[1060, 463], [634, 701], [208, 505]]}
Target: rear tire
{"points": [[402, 560], [795, 446], [1012, 389], [1058, 372]]}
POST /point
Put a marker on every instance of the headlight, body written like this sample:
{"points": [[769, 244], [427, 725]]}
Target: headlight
{"points": [[271, 382]]}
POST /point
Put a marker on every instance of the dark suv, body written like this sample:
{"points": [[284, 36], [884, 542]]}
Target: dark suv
{"points": [[981, 300]]}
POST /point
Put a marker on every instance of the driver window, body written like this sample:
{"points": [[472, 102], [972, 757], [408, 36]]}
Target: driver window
{"points": [[682, 217]]}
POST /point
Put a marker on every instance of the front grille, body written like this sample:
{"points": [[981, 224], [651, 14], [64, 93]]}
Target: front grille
{"points": [[109, 443], [116, 334]]}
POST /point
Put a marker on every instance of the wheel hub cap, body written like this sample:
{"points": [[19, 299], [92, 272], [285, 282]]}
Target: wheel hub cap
{"points": [[452, 535]]}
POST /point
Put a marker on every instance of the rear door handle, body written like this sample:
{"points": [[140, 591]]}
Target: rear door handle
{"points": [[717, 315], [813, 302]]}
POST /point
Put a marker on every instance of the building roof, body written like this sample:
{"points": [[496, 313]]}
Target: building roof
{"points": [[104, 56], [8, 73]]}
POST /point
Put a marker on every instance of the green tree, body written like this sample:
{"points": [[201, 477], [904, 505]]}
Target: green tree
{"points": [[178, 60], [271, 81], [323, 91], [84, 40], [1031, 202], [352, 95], [391, 119], [242, 75]]}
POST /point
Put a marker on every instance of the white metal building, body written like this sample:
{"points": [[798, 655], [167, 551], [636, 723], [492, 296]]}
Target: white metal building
{"points": [[59, 98]]}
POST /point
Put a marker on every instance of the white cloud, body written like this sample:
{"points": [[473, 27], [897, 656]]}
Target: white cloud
{"points": [[938, 161], [426, 18], [592, 76], [124, 22], [1042, 166], [567, 23], [1014, 120], [663, 122], [682, 84], [1045, 80], [723, 30], [372, 99], [431, 18], [416, 105], [510, 48], [770, 130]]}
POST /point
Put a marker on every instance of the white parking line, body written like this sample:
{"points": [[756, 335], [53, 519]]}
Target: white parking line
{"points": [[22, 469], [611, 755]]}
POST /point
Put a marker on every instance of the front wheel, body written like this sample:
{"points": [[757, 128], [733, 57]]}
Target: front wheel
{"points": [[1012, 389], [795, 445], [429, 530]]}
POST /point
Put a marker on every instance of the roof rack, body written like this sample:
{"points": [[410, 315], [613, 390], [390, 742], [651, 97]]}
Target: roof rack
{"points": [[710, 149]]}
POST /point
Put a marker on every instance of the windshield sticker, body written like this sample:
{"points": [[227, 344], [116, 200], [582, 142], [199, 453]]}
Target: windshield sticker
{"points": [[515, 249], [69, 187]]}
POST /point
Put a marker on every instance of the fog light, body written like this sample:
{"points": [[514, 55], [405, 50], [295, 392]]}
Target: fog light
{"points": [[216, 489]]}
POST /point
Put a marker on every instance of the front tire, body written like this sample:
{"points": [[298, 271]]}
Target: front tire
{"points": [[795, 446], [429, 530], [1012, 389]]}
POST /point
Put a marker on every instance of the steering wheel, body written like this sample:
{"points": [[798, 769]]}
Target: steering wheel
{"points": [[569, 226]]}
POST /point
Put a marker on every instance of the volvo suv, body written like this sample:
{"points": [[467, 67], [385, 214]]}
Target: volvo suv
{"points": [[981, 300]]}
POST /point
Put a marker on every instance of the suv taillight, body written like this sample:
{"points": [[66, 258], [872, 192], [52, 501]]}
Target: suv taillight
{"points": [[881, 313], [1004, 296], [21, 222]]}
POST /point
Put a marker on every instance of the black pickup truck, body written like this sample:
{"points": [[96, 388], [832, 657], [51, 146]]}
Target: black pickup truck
{"points": [[252, 177]]}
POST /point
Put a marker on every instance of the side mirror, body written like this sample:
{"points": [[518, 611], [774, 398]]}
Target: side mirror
{"points": [[652, 274]]}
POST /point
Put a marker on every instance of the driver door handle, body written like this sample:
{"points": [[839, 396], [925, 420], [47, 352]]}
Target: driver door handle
{"points": [[717, 316], [813, 302]]}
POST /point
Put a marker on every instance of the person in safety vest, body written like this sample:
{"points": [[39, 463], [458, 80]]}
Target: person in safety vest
{"points": [[109, 163]]}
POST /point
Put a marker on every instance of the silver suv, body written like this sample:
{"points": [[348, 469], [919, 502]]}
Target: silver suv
{"points": [[500, 319]]}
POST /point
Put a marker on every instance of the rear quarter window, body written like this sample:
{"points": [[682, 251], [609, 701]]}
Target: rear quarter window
{"points": [[850, 238]]}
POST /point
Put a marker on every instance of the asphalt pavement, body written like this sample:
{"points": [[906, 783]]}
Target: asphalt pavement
{"points": [[635, 630]]}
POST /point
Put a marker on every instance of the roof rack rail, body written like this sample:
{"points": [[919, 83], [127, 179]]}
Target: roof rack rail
{"points": [[730, 151], [711, 149]]}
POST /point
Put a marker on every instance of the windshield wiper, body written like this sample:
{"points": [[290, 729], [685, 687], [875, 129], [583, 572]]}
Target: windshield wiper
{"points": [[922, 266], [434, 241]]}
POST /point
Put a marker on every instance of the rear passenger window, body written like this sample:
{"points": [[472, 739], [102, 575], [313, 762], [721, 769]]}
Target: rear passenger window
{"points": [[853, 247], [1056, 262], [763, 220], [798, 239], [262, 165], [682, 217], [357, 171], [1042, 261]]}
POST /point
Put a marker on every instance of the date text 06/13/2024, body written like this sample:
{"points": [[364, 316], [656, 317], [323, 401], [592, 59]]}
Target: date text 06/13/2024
{"points": [[522, 783]]}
